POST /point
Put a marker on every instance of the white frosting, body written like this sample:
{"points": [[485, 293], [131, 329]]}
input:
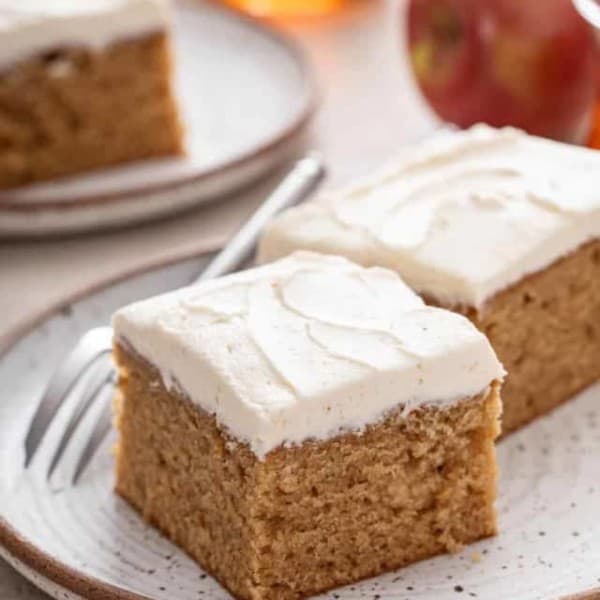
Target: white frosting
{"points": [[307, 347], [461, 217], [28, 27]]}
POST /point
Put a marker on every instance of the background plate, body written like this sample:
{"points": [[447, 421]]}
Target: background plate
{"points": [[246, 94], [87, 542]]}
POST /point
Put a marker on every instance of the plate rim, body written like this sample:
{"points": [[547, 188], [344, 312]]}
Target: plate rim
{"points": [[70, 578], [61, 574], [13, 336], [311, 94]]}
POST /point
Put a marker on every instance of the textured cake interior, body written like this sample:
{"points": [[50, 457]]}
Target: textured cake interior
{"points": [[546, 332], [311, 517], [75, 109]]}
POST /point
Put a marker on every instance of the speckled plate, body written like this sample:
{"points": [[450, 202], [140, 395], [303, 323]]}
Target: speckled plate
{"points": [[85, 542], [246, 94]]}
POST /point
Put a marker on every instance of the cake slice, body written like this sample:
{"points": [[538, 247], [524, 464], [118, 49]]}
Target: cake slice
{"points": [[83, 84], [306, 424], [498, 225]]}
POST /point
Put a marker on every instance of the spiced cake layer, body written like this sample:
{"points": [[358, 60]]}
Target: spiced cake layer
{"points": [[306, 424], [496, 224], [84, 85]]}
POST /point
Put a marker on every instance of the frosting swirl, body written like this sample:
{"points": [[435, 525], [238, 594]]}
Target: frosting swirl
{"points": [[307, 347], [464, 216]]}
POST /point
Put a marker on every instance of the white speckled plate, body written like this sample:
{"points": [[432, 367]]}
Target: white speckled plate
{"points": [[246, 94], [86, 542]]}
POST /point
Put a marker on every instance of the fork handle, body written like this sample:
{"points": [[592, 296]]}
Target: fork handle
{"points": [[301, 181]]}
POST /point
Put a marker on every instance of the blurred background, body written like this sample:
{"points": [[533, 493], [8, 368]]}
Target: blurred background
{"points": [[533, 65]]}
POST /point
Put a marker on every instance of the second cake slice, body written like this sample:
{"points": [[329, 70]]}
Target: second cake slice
{"points": [[84, 84]]}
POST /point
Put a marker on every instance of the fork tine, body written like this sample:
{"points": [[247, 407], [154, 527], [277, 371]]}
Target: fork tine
{"points": [[101, 376], [101, 428], [92, 345]]}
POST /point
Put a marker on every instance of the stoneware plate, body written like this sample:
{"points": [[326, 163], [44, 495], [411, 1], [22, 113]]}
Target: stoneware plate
{"points": [[246, 94], [84, 541]]}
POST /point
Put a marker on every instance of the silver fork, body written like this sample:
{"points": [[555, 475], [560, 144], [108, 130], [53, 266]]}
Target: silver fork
{"points": [[92, 352]]}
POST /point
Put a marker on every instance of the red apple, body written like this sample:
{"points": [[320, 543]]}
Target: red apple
{"points": [[527, 63]]}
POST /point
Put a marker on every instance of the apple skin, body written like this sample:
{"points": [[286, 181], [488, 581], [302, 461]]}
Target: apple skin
{"points": [[527, 63]]}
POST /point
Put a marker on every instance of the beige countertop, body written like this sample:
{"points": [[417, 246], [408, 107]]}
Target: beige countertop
{"points": [[368, 110]]}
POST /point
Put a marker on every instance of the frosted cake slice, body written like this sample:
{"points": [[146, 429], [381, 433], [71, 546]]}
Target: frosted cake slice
{"points": [[84, 84], [306, 424], [501, 226]]}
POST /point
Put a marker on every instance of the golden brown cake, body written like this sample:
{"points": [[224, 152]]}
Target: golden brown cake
{"points": [[498, 225], [83, 85], [291, 442], [546, 328]]}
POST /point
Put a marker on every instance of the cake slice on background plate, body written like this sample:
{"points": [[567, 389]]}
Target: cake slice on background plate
{"points": [[493, 223], [84, 85], [306, 424]]}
